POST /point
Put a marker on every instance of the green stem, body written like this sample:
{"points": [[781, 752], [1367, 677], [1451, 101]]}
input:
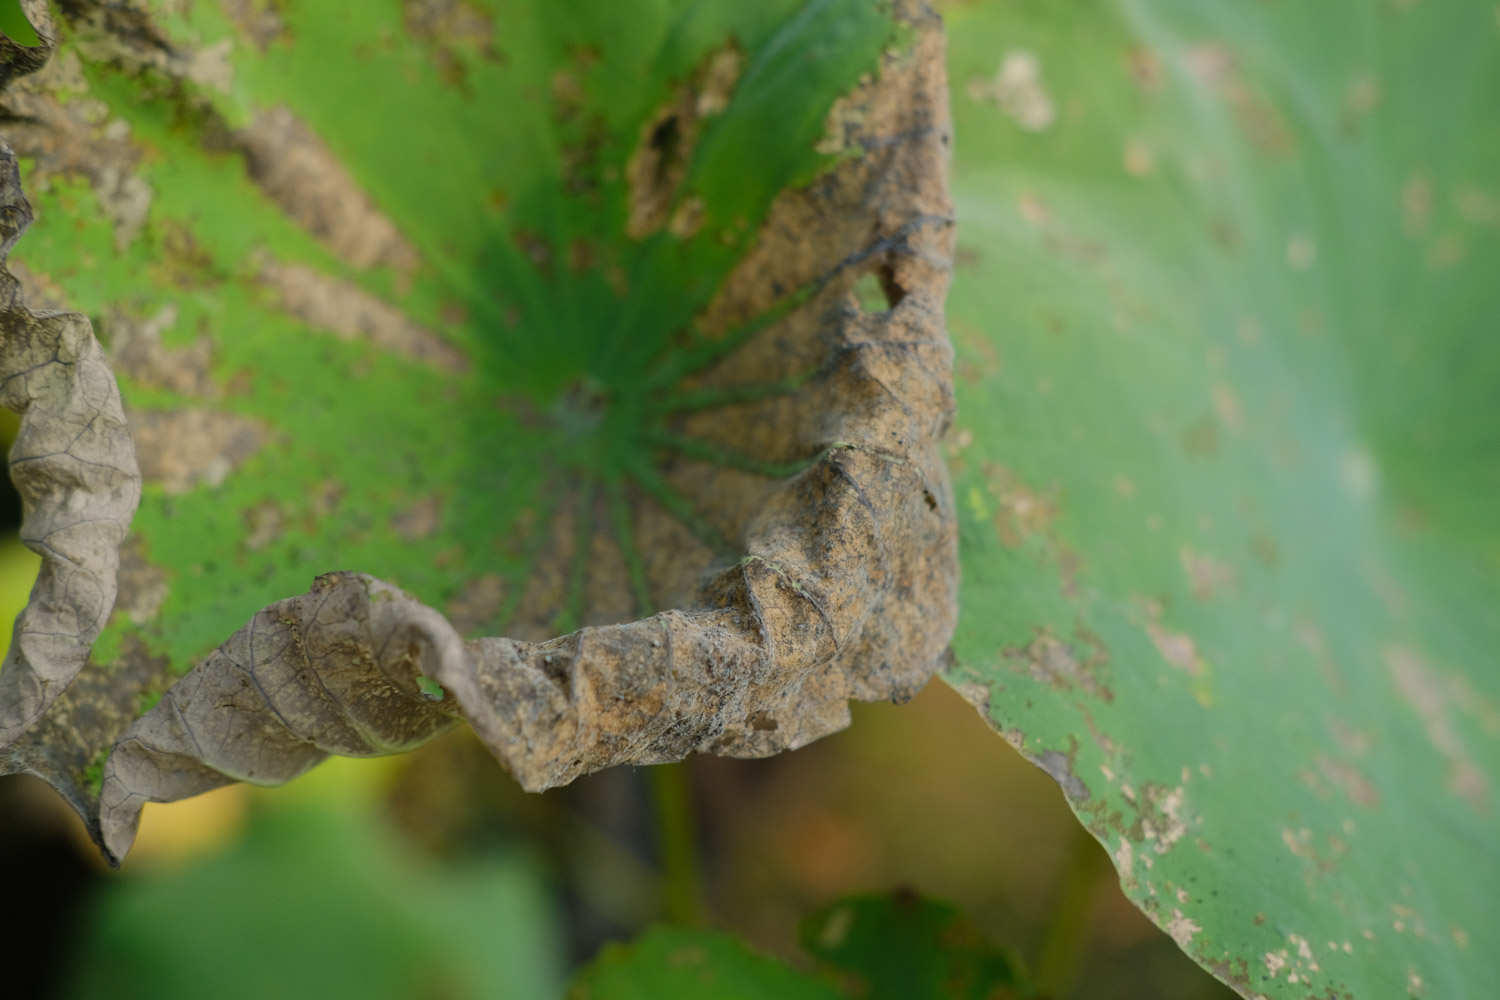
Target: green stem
{"points": [[1067, 933], [677, 835]]}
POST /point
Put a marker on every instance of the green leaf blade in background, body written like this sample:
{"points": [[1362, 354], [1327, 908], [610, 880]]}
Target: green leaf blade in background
{"points": [[900, 946], [672, 962], [1226, 464], [890, 946], [320, 901]]}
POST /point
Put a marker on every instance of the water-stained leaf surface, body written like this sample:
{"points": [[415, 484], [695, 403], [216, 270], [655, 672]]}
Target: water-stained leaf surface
{"points": [[543, 316], [1227, 460]]}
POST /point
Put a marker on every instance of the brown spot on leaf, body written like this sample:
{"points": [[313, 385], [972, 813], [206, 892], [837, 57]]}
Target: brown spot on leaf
{"points": [[452, 31], [687, 218], [1301, 251], [1208, 577], [1138, 159], [1214, 67], [49, 120], [1416, 204], [1348, 779], [1033, 209], [475, 608], [259, 21], [184, 449], [264, 524], [656, 169], [1062, 665], [350, 313], [1022, 512], [1145, 69], [1177, 648], [298, 171], [136, 350], [1227, 407], [1181, 929], [1016, 89], [421, 519], [1161, 820], [1427, 694], [1361, 97]]}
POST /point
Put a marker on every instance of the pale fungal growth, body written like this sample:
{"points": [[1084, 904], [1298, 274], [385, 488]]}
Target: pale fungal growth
{"points": [[815, 565]]}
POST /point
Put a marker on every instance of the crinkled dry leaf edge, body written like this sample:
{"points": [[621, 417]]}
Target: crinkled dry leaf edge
{"points": [[74, 466]]}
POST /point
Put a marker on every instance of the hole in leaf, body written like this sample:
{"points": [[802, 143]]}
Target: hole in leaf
{"points": [[893, 291]]}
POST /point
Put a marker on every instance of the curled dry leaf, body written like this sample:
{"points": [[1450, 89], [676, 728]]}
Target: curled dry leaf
{"points": [[759, 457], [74, 466]]}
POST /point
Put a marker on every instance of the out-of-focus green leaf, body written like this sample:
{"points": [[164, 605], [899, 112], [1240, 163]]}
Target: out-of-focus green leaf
{"points": [[1228, 459], [897, 946], [321, 904], [668, 963], [13, 23], [905, 947]]}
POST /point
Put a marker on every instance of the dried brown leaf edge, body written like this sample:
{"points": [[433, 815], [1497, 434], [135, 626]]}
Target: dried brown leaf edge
{"points": [[846, 588]]}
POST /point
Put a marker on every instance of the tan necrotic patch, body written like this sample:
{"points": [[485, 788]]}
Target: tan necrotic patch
{"points": [[184, 449], [136, 350], [452, 30], [1065, 665], [297, 171], [259, 21], [350, 313], [655, 172], [51, 120], [1427, 694]]}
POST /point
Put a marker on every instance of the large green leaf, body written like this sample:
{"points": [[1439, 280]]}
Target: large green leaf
{"points": [[319, 903], [890, 946], [1227, 464], [674, 962], [544, 313], [900, 946]]}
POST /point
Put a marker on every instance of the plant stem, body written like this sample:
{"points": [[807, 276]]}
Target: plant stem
{"points": [[677, 840], [1067, 933]]}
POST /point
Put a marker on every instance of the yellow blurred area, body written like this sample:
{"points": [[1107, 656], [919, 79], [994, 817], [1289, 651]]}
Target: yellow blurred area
{"points": [[18, 569], [174, 832]]}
